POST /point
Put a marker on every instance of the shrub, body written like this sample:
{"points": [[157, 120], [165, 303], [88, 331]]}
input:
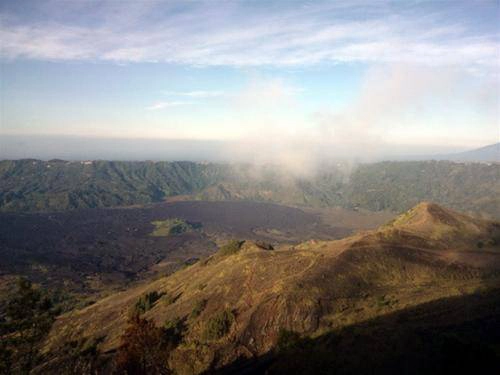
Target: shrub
{"points": [[81, 356], [25, 322], [382, 301], [198, 308], [493, 241], [287, 340], [144, 349], [174, 330], [219, 325], [169, 299], [232, 247], [170, 227], [146, 302]]}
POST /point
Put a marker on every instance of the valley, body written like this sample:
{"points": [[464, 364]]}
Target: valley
{"points": [[92, 250], [242, 270]]}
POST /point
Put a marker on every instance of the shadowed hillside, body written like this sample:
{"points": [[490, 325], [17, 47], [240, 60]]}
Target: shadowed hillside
{"points": [[451, 335], [236, 303]]}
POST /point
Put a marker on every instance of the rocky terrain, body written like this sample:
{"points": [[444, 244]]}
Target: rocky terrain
{"points": [[92, 250], [427, 255]]}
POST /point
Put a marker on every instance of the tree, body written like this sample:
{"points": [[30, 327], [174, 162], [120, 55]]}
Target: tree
{"points": [[26, 321], [145, 303], [219, 325], [144, 349]]}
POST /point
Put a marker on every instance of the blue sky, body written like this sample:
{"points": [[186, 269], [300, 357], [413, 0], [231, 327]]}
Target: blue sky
{"points": [[324, 74]]}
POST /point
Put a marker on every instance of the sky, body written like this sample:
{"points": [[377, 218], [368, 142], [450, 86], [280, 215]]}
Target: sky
{"points": [[266, 79]]}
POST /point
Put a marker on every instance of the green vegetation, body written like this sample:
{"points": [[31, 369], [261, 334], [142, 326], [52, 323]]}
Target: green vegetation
{"points": [[219, 325], [232, 247], [169, 227], [382, 302], [174, 330], [145, 303], [198, 308], [287, 340], [168, 299], [80, 356], [33, 185], [26, 321], [397, 186]]}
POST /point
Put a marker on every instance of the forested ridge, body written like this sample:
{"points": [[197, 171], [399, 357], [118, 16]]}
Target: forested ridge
{"points": [[34, 185]]}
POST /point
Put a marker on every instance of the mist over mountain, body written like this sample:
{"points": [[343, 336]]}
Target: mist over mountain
{"points": [[35, 185]]}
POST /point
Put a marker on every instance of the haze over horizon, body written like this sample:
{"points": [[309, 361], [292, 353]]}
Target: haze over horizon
{"points": [[255, 81]]}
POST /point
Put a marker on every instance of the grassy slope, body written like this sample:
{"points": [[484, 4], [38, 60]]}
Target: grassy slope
{"points": [[311, 289]]}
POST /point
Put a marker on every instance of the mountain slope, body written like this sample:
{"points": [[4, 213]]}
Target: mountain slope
{"points": [[398, 186], [451, 335], [490, 153], [309, 289], [34, 185], [439, 223]]}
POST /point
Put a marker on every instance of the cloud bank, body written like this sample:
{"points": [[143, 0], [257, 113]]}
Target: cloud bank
{"points": [[398, 109]]}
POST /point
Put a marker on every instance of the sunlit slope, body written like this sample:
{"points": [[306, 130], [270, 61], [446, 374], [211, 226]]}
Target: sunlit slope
{"points": [[311, 288], [446, 226]]}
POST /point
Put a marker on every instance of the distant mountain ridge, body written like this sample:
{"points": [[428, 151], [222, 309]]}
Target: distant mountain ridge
{"points": [[41, 186], [490, 153]]}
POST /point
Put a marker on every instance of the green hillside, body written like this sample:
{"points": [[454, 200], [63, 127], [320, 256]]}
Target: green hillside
{"points": [[397, 186], [33, 185]]}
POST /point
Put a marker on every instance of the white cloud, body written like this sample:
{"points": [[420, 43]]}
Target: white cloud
{"points": [[265, 93], [163, 105], [403, 103], [398, 109], [237, 34], [196, 94]]}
